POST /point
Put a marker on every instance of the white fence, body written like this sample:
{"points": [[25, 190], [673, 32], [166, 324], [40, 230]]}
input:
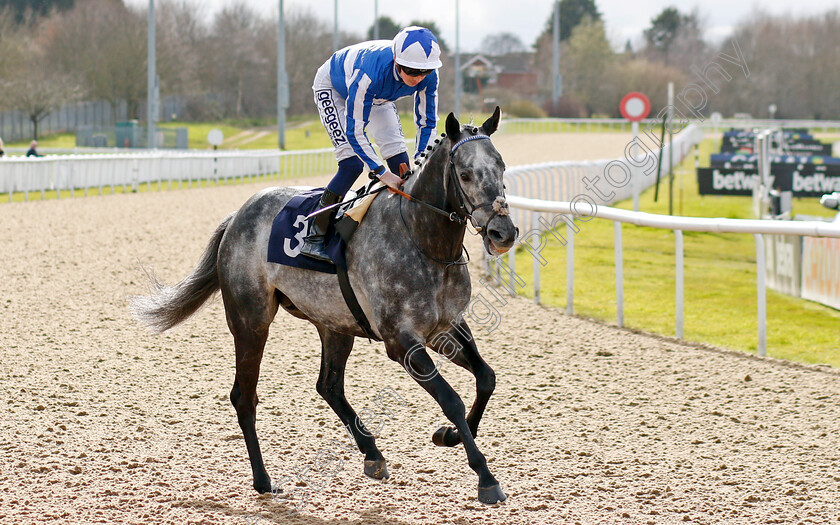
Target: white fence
{"points": [[556, 125], [155, 168], [543, 196], [565, 210], [564, 181]]}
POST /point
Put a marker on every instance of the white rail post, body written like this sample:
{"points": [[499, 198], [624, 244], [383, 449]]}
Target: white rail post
{"points": [[762, 294], [512, 270], [570, 269], [679, 282], [619, 276], [536, 269]]}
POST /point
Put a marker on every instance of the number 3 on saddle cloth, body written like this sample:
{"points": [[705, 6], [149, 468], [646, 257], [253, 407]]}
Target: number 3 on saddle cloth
{"points": [[291, 226]]}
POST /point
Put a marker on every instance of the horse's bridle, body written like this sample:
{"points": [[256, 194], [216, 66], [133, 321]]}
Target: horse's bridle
{"points": [[499, 205]]}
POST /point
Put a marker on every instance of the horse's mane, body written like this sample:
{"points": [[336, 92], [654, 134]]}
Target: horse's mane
{"points": [[426, 156]]}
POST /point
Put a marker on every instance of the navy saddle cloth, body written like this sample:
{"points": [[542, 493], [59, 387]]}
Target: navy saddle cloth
{"points": [[291, 226]]}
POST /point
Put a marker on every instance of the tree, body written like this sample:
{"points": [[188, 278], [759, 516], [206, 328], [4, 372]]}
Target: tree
{"points": [[308, 45], [588, 67], [787, 60], [12, 46], [650, 78], [237, 64], [37, 90], [663, 30], [20, 9], [572, 13], [432, 26], [180, 38], [502, 44], [101, 44], [388, 29], [675, 38]]}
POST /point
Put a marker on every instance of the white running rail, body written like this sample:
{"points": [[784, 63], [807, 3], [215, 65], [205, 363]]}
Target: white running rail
{"points": [[566, 211], [564, 181], [155, 168]]}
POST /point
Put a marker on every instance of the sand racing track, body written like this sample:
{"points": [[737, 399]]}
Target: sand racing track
{"points": [[104, 422]]}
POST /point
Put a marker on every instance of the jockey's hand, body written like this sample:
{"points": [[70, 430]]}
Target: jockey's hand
{"points": [[391, 180]]}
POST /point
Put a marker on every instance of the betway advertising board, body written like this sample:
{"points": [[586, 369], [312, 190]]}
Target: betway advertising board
{"points": [[804, 180], [783, 263], [821, 270]]}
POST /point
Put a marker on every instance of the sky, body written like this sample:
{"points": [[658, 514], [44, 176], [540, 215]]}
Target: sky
{"points": [[624, 19]]}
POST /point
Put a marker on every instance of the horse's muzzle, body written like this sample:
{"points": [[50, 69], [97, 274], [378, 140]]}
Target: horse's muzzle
{"points": [[500, 235]]}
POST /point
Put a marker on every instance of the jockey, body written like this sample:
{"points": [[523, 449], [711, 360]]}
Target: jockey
{"points": [[357, 86]]}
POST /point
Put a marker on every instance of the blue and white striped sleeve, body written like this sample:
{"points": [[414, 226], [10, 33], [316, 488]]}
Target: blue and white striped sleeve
{"points": [[359, 103], [425, 113]]}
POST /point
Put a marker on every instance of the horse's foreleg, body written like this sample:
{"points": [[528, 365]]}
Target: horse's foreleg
{"points": [[410, 352], [243, 396], [335, 349], [459, 346]]}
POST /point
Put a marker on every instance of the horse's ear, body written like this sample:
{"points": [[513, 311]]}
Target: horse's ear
{"points": [[453, 127], [492, 124]]}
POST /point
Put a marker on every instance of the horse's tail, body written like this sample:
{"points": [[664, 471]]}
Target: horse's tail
{"points": [[167, 306]]}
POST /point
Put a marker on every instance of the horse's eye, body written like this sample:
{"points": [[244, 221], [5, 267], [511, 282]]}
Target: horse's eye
{"points": [[464, 175]]}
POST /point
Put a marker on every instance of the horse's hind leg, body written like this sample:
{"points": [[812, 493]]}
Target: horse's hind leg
{"points": [[335, 349], [410, 352], [459, 346], [249, 326]]}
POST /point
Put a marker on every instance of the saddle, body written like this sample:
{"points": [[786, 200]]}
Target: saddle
{"points": [[291, 226]]}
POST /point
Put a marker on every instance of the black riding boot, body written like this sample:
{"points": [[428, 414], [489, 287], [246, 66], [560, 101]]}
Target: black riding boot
{"points": [[314, 242]]}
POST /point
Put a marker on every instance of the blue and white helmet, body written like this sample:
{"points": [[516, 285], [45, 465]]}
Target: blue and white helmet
{"points": [[416, 47]]}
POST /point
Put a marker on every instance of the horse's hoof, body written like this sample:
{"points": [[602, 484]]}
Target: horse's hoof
{"points": [[263, 486], [491, 495], [376, 469], [446, 437]]}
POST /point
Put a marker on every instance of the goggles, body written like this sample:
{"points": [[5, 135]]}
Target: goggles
{"points": [[410, 71]]}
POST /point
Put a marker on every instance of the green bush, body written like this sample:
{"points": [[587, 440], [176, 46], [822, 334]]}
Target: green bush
{"points": [[525, 109]]}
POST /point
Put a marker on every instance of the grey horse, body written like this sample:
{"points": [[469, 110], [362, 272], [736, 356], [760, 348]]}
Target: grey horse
{"points": [[406, 267]]}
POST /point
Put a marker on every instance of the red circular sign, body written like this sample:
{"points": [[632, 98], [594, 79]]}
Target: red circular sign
{"points": [[634, 106]]}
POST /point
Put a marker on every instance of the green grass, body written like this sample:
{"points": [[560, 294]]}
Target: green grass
{"points": [[720, 306], [57, 140], [302, 132]]}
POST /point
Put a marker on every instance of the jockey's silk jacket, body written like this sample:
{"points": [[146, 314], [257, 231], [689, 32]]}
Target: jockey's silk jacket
{"points": [[365, 74]]}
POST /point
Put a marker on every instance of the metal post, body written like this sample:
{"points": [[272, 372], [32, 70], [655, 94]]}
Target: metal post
{"points": [[671, 148], [536, 262], [679, 282], [376, 20], [570, 269], [619, 276], [457, 59], [335, 25], [636, 182], [558, 83], [152, 75], [282, 81], [762, 294]]}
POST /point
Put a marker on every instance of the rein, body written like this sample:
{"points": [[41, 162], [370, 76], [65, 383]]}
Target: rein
{"points": [[498, 204], [452, 216]]}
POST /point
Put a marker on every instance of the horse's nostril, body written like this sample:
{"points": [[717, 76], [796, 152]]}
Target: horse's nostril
{"points": [[495, 235]]}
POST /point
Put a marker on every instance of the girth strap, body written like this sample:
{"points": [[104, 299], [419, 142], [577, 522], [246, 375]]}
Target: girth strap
{"points": [[353, 303]]}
